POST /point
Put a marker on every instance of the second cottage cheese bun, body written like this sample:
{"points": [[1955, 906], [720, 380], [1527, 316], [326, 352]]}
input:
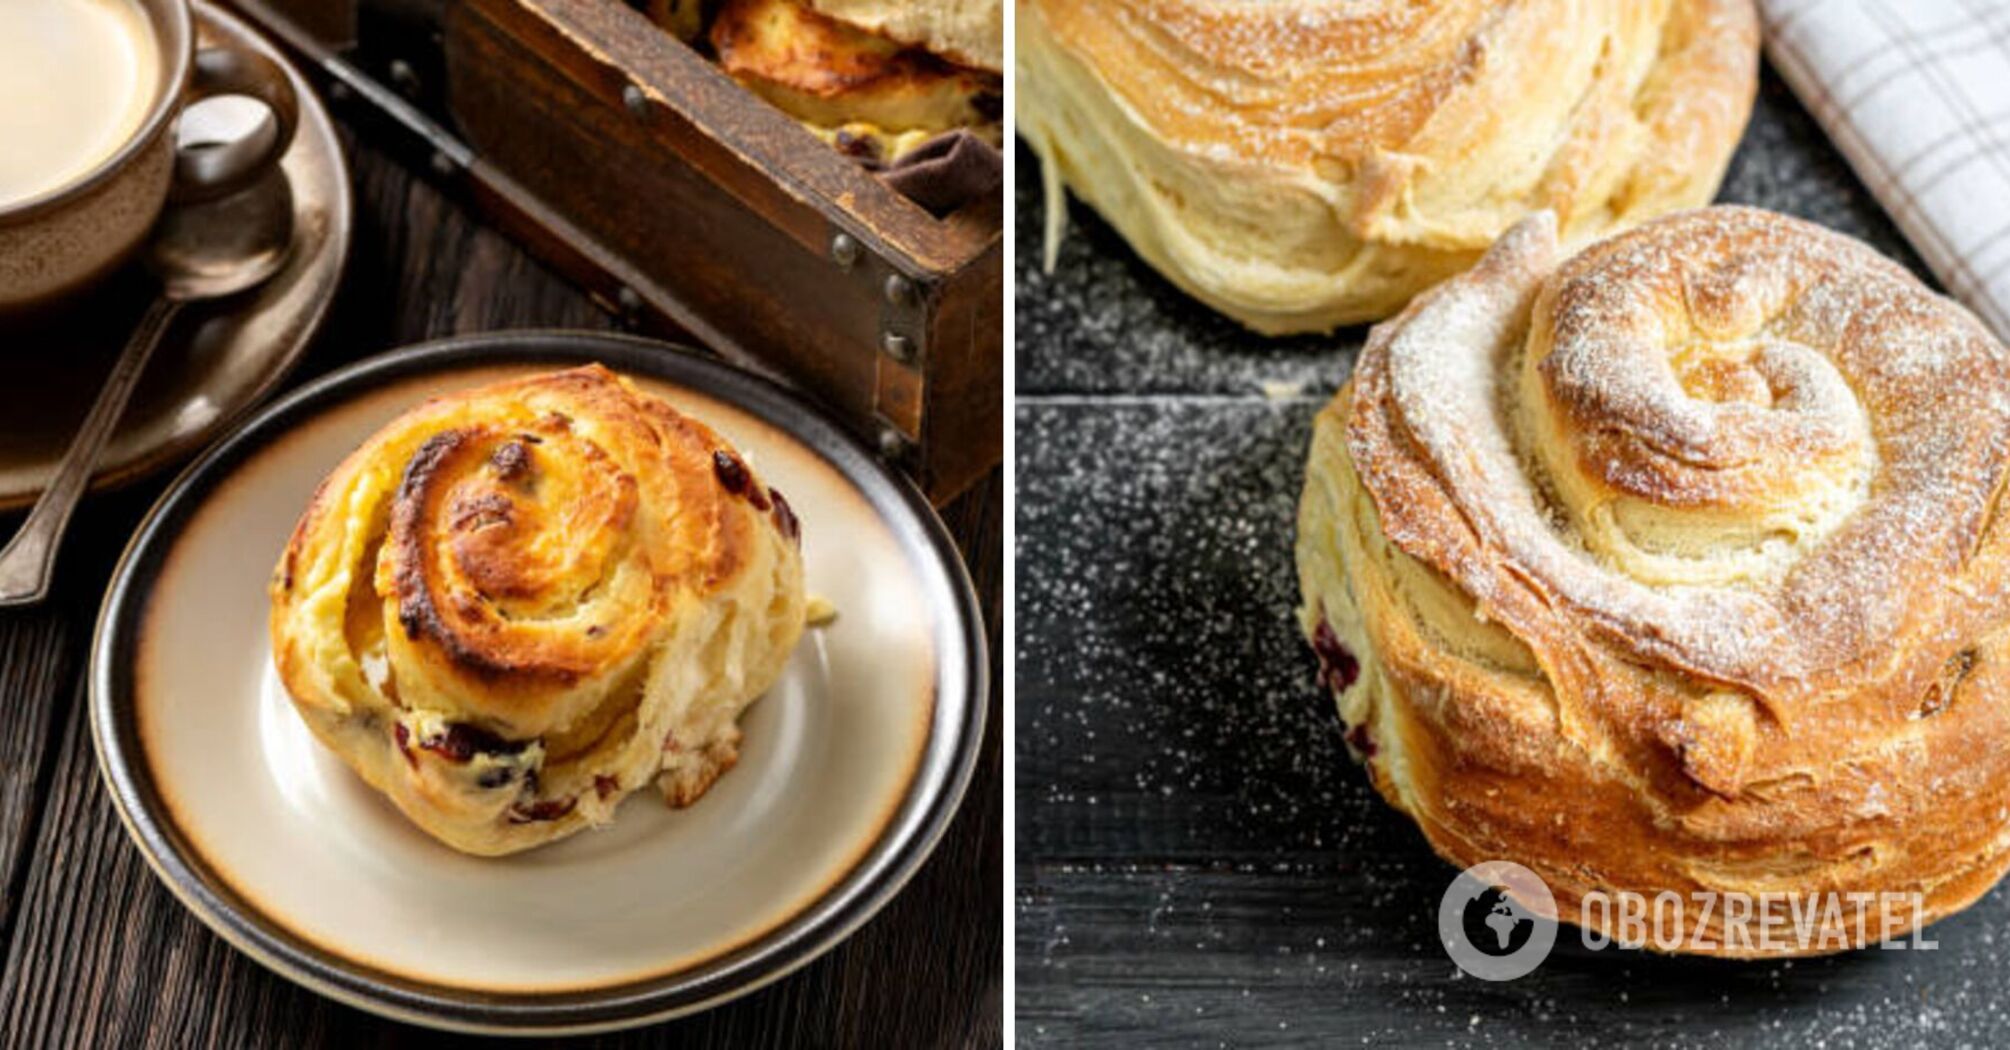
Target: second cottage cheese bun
{"points": [[1678, 565], [1303, 164]]}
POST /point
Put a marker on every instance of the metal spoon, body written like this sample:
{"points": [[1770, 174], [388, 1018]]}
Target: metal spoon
{"points": [[198, 251]]}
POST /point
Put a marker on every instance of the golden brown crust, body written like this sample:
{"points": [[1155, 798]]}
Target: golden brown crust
{"points": [[1300, 164], [1676, 565], [967, 32], [789, 44], [503, 606], [832, 75]]}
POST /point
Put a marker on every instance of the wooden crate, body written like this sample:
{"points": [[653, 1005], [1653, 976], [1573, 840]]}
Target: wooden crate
{"points": [[688, 205]]}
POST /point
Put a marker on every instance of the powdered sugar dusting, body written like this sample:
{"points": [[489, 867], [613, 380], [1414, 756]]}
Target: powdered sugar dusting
{"points": [[1878, 390]]}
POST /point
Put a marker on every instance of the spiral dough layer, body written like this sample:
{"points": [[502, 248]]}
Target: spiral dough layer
{"points": [[515, 605], [1302, 164], [1677, 566]]}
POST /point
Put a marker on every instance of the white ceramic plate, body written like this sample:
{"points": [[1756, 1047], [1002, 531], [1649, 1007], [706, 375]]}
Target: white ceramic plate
{"points": [[851, 767]]}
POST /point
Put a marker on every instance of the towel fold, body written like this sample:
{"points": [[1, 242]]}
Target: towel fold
{"points": [[1916, 94]]}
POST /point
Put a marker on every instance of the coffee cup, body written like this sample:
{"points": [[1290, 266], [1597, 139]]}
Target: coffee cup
{"points": [[89, 102]]}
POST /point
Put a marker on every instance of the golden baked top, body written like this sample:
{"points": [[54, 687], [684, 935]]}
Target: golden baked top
{"points": [[1300, 82], [1303, 163], [1676, 564], [966, 32], [515, 604], [832, 75], [1769, 456]]}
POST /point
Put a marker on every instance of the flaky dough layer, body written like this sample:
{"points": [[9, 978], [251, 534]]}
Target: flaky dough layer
{"points": [[1303, 164], [1676, 565], [515, 605], [967, 32]]}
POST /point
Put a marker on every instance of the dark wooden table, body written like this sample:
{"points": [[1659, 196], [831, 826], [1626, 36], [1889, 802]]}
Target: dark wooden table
{"points": [[1199, 863], [99, 954]]}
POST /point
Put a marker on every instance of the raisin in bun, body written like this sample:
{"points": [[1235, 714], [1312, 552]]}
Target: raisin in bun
{"points": [[1677, 565], [1303, 164], [516, 604]]}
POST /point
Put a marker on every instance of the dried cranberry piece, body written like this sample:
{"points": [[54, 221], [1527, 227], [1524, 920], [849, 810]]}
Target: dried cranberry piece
{"points": [[859, 147], [546, 809], [462, 742], [604, 785], [785, 518], [1337, 667], [511, 460], [1362, 741], [736, 479], [404, 738], [732, 473]]}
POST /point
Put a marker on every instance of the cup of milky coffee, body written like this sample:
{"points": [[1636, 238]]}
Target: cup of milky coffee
{"points": [[90, 92]]}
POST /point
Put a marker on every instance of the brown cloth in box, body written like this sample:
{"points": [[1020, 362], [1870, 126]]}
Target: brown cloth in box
{"points": [[948, 171]]}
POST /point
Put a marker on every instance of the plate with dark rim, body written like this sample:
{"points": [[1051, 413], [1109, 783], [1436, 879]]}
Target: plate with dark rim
{"points": [[850, 770]]}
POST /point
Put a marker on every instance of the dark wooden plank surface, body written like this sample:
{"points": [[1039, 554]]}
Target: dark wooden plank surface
{"points": [[1199, 863], [99, 954]]}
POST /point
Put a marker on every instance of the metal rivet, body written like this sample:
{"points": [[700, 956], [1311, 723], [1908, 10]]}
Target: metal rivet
{"points": [[892, 444], [443, 165], [630, 302], [898, 347], [635, 100], [899, 290], [404, 78], [844, 250]]}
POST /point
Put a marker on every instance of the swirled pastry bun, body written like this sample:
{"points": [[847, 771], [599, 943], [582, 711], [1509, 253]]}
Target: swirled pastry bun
{"points": [[1303, 164], [1678, 565], [515, 605]]}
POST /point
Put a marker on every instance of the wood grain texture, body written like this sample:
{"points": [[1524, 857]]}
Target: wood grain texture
{"points": [[720, 212], [1199, 862], [99, 953]]}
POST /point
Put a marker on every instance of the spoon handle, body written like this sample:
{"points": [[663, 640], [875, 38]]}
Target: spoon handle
{"points": [[27, 561]]}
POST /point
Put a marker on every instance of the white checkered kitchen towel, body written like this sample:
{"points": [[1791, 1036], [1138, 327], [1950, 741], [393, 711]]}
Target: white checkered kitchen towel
{"points": [[1916, 93]]}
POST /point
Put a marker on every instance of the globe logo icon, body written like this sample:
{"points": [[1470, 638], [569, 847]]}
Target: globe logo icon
{"points": [[1494, 920], [1495, 924]]}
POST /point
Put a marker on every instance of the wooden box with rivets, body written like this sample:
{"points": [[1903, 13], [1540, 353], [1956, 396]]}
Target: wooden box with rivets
{"points": [[688, 205]]}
